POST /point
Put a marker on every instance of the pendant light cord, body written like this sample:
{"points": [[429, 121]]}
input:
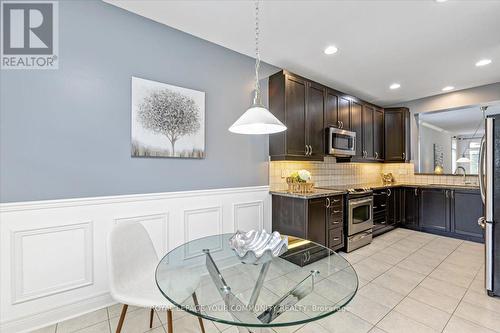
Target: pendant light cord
{"points": [[481, 122], [257, 98]]}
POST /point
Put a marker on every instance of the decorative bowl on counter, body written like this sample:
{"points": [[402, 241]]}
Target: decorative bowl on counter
{"points": [[256, 247], [295, 186]]}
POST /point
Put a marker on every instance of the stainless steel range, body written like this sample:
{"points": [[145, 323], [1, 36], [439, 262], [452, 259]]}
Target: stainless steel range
{"points": [[358, 216]]}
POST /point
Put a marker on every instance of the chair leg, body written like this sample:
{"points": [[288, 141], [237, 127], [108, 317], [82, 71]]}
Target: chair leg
{"points": [[122, 318], [170, 326], [151, 315], [197, 305]]}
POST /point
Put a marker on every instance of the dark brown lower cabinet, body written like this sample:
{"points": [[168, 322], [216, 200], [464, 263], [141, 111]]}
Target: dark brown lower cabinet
{"points": [[434, 209], [448, 212], [394, 206], [467, 207], [320, 220], [316, 221], [410, 207]]}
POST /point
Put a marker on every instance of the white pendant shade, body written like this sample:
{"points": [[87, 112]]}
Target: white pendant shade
{"points": [[257, 120], [463, 159]]}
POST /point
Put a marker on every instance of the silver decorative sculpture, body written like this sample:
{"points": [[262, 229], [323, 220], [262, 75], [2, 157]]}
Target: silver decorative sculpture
{"points": [[255, 247]]}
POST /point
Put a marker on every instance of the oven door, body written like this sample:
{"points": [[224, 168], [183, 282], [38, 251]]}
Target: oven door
{"points": [[341, 142], [360, 215]]}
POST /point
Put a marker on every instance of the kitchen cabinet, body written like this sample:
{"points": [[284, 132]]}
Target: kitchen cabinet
{"points": [[467, 207], [380, 202], [368, 123], [299, 104], [315, 128], [344, 113], [397, 134], [378, 134], [434, 210], [367, 134], [394, 206], [332, 109], [316, 221], [443, 211], [308, 108], [410, 206], [320, 220], [356, 111]]}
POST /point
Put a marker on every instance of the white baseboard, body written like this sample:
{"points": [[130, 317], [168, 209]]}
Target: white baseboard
{"points": [[52, 253]]}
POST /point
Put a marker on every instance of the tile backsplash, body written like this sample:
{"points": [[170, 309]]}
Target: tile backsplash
{"points": [[330, 173]]}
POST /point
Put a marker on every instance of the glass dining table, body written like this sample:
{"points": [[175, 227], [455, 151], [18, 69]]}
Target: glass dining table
{"points": [[205, 278]]}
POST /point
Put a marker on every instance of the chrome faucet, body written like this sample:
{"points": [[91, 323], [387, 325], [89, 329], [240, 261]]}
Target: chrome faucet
{"points": [[465, 172]]}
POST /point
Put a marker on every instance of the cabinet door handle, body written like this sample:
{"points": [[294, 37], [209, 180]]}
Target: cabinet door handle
{"points": [[327, 202], [452, 193], [376, 155], [336, 211], [341, 124], [416, 192], [307, 150], [335, 222], [310, 150], [382, 205], [404, 156], [336, 200], [389, 192], [336, 239]]}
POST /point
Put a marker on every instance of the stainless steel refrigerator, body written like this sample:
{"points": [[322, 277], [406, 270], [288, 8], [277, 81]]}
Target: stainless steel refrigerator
{"points": [[489, 182]]}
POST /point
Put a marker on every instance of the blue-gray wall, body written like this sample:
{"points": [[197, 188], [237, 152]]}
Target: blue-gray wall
{"points": [[66, 133]]}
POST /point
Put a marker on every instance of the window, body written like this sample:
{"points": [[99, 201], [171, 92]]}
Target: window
{"points": [[474, 156]]}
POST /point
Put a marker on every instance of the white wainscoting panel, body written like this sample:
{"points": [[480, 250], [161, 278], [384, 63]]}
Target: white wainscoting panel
{"points": [[199, 223], [245, 215], [51, 260], [53, 253], [156, 226]]}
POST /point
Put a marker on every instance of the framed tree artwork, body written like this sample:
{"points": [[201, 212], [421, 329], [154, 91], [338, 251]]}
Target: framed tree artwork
{"points": [[167, 121]]}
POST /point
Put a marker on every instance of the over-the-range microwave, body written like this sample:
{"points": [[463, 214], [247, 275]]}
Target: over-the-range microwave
{"points": [[341, 142]]}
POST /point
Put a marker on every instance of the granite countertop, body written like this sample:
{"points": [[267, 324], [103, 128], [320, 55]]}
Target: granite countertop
{"points": [[317, 193], [379, 186]]}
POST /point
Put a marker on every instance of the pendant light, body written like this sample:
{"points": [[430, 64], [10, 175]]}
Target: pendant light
{"points": [[463, 159], [257, 119]]}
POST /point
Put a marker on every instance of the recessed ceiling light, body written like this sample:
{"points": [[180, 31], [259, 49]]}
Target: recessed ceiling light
{"points": [[394, 86], [331, 50], [441, 1], [448, 88], [483, 62]]}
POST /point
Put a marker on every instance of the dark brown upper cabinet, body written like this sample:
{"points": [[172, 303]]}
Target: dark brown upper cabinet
{"points": [[299, 104], [315, 128], [368, 149], [357, 126], [308, 108], [332, 109], [337, 109], [368, 122], [397, 134], [378, 134], [344, 112]]}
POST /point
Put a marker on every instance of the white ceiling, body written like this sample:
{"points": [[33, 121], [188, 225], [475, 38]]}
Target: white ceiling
{"points": [[423, 45], [462, 121]]}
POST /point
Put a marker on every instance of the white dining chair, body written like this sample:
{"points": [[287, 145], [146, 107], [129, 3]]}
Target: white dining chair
{"points": [[132, 262]]}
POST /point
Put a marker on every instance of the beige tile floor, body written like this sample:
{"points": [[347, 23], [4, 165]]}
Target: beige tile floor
{"points": [[409, 282]]}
